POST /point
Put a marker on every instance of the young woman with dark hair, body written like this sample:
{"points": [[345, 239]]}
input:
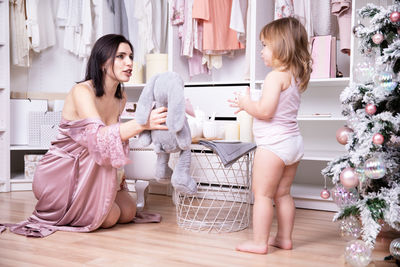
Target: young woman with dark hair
{"points": [[76, 183]]}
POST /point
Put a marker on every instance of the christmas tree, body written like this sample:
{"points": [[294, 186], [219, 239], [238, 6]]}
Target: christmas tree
{"points": [[367, 178]]}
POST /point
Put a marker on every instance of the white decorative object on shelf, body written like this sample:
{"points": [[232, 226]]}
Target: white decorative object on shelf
{"points": [[30, 164]]}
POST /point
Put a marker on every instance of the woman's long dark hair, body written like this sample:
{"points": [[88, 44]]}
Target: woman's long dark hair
{"points": [[104, 48]]}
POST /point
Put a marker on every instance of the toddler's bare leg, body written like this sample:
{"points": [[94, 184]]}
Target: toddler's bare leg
{"points": [[285, 209], [267, 172]]}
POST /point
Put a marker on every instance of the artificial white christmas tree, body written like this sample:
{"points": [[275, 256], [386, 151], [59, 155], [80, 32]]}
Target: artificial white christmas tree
{"points": [[367, 179]]}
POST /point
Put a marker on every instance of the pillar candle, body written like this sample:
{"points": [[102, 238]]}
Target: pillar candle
{"points": [[137, 74], [156, 63], [246, 126], [232, 131]]}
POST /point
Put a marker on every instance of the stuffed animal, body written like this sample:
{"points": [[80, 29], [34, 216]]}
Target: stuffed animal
{"points": [[166, 89]]}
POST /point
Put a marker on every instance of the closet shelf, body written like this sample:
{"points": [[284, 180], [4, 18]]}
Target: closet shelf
{"points": [[320, 118], [134, 86], [19, 147], [215, 83], [331, 82], [319, 155]]}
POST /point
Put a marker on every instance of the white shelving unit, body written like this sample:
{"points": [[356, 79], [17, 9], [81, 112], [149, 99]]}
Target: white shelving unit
{"points": [[4, 98], [319, 115]]}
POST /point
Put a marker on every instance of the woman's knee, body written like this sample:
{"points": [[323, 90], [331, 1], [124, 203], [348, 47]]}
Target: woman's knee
{"points": [[112, 217]]}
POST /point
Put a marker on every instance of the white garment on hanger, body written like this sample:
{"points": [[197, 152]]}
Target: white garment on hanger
{"points": [[19, 41], [322, 20], [160, 23], [246, 74], [40, 24], [133, 31], [143, 14], [76, 17], [302, 11], [238, 19]]}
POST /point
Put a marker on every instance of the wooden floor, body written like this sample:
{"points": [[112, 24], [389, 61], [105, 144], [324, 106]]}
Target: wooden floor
{"points": [[316, 242]]}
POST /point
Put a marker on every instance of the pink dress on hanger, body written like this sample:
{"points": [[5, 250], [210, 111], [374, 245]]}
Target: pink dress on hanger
{"points": [[76, 181], [216, 16]]}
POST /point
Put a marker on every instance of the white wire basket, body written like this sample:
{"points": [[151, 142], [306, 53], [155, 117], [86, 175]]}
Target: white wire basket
{"points": [[222, 202]]}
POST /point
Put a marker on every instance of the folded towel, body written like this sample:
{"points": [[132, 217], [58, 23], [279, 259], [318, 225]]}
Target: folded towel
{"points": [[229, 152]]}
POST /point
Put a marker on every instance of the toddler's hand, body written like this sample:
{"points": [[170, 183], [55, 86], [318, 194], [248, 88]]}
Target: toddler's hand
{"points": [[240, 100]]}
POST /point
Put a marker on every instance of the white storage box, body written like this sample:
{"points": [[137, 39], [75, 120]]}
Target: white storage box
{"points": [[30, 163], [19, 118], [43, 127]]}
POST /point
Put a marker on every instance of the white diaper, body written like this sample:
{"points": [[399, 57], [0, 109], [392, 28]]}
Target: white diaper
{"points": [[289, 150]]}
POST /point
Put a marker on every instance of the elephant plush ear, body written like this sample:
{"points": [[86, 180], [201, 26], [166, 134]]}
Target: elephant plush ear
{"points": [[145, 102], [176, 103]]}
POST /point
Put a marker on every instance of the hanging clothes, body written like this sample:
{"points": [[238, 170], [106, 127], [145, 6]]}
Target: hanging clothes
{"points": [[216, 16], [190, 33], [160, 23], [283, 9], [76, 17], [246, 74], [117, 7], [302, 11], [342, 10], [322, 18], [143, 14], [19, 41], [40, 24], [238, 19]]}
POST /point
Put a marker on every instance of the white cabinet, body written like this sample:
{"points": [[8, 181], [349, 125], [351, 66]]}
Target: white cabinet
{"points": [[4, 98]]}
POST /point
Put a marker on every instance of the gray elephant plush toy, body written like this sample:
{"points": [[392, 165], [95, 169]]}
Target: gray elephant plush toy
{"points": [[166, 90]]}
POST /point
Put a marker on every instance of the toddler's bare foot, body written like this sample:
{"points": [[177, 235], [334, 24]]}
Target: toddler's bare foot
{"points": [[280, 243], [252, 247]]}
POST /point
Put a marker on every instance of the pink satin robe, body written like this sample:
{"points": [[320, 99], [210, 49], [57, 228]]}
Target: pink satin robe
{"points": [[75, 182]]}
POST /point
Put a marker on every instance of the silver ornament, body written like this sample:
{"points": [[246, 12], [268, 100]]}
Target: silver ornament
{"points": [[395, 248]]}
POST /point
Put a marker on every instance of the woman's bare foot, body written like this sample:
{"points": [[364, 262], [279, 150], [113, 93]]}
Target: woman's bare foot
{"points": [[252, 247], [280, 243]]}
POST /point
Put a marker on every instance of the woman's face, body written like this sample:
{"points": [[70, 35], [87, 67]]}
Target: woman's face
{"points": [[266, 53], [122, 64]]}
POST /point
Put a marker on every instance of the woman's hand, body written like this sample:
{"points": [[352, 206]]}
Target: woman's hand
{"points": [[157, 119], [240, 100]]}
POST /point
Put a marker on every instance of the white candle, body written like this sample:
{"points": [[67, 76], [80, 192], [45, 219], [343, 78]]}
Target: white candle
{"points": [[137, 74], [246, 126], [232, 131]]}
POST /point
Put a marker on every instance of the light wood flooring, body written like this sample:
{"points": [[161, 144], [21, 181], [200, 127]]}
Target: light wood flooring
{"points": [[316, 242]]}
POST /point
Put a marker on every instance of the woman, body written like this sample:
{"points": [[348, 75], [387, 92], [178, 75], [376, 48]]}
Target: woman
{"points": [[76, 182]]}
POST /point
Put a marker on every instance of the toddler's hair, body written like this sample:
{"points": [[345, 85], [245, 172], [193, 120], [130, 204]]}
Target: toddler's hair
{"points": [[288, 41]]}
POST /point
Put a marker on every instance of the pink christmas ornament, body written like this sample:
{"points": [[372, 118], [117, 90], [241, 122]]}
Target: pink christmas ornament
{"points": [[378, 139], [377, 38], [349, 178], [342, 134], [395, 16], [370, 109], [325, 194]]}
